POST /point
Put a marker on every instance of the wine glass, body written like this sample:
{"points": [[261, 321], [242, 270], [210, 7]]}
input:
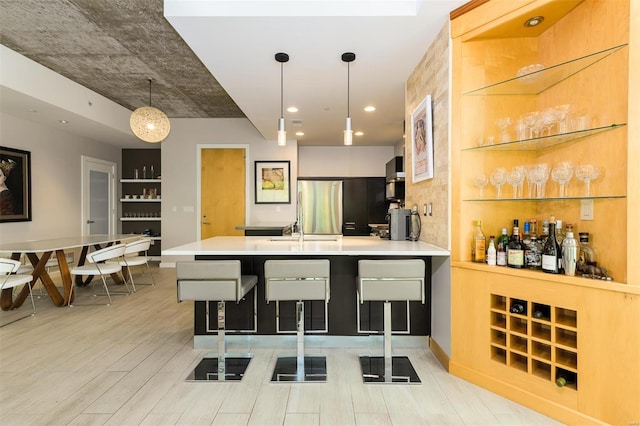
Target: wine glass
{"points": [[498, 178], [503, 123], [514, 178], [539, 176], [529, 119], [480, 181], [562, 174], [587, 173]]}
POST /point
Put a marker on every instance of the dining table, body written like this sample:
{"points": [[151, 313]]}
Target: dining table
{"points": [[40, 251]]}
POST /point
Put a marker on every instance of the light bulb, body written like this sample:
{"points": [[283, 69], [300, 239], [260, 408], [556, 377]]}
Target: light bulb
{"points": [[348, 133]]}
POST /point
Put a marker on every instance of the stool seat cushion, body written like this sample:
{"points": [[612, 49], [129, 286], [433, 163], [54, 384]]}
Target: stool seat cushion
{"points": [[392, 280], [219, 280], [305, 279]]}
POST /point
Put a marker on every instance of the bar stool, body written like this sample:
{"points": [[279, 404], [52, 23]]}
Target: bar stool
{"points": [[387, 281], [298, 280], [221, 281]]}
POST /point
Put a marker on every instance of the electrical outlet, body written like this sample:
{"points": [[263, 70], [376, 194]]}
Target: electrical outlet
{"points": [[424, 209], [430, 209], [586, 209]]}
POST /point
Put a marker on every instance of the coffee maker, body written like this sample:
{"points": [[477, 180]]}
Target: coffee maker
{"points": [[399, 224]]}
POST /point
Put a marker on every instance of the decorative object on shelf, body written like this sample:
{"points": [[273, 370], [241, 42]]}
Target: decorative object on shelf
{"points": [[149, 123], [272, 182], [422, 141], [282, 133], [348, 57], [15, 185]]}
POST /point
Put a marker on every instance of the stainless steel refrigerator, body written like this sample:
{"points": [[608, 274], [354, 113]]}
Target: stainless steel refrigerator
{"points": [[320, 206]]}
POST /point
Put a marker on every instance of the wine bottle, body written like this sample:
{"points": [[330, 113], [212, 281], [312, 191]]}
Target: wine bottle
{"points": [[560, 240], [515, 249], [565, 378], [569, 252], [551, 252], [478, 250], [503, 242], [518, 307], [491, 252]]}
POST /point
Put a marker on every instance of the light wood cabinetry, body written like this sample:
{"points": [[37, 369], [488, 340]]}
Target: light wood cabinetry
{"points": [[587, 50]]}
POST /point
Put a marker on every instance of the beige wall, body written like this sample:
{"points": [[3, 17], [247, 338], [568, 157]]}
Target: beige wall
{"points": [[431, 77]]}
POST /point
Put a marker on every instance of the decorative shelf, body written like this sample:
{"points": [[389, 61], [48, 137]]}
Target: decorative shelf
{"points": [[536, 144], [590, 197], [539, 81], [140, 180], [140, 219], [140, 200]]}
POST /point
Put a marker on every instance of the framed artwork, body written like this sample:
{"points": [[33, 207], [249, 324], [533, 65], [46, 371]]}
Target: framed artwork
{"points": [[273, 183], [422, 141], [15, 185]]}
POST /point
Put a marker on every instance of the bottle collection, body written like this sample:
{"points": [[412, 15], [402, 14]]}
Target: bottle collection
{"points": [[556, 250]]}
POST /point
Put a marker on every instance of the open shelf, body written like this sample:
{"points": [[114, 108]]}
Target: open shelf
{"points": [[537, 82], [590, 197]]}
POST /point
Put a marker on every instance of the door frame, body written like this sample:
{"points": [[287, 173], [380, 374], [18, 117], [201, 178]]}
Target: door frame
{"points": [[86, 168], [247, 180]]}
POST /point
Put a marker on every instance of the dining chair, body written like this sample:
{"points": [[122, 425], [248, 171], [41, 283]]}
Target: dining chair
{"points": [[135, 254], [101, 262], [10, 280]]}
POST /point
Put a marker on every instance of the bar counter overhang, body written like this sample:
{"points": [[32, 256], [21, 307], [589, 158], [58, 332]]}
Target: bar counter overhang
{"points": [[343, 254]]}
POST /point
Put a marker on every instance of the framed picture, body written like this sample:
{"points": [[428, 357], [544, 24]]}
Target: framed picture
{"points": [[273, 184], [15, 185], [422, 141]]}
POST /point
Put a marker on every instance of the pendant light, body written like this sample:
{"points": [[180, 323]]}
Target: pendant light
{"points": [[348, 57], [148, 123], [282, 133]]}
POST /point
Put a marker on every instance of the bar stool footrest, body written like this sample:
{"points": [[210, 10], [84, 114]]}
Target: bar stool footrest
{"points": [[313, 370], [373, 370], [207, 369]]}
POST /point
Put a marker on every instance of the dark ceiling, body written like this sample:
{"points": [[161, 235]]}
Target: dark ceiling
{"points": [[112, 47]]}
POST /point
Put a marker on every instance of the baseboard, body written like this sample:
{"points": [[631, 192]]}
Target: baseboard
{"points": [[521, 396], [440, 354]]}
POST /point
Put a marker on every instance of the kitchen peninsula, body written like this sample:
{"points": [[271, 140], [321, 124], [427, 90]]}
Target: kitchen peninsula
{"points": [[343, 253]]}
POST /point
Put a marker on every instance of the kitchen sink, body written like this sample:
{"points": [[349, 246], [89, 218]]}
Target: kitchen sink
{"points": [[306, 238]]}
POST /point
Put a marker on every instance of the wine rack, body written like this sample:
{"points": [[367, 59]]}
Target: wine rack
{"points": [[541, 341]]}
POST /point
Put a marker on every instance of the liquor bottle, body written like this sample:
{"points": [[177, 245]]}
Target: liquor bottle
{"points": [[560, 240], [545, 232], [588, 254], [503, 242], [569, 252], [515, 249], [526, 242], [152, 173], [491, 252], [144, 172], [478, 245], [551, 252]]}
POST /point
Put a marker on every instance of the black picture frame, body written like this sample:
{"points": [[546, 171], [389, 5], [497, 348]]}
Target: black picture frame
{"points": [[15, 185], [273, 182]]}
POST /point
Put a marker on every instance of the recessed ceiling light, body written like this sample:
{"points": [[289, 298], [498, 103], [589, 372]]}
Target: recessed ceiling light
{"points": [[33, 110], [63, 121], [370, 108], [299, 133], [359, 133], [292, 109], [533, 21]]}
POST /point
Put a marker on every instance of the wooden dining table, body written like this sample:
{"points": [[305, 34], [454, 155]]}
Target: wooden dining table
{"points": [[40, 251]]}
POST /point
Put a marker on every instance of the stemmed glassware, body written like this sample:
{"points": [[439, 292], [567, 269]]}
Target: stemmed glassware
{"points": [[498, 178], [539, 175], [587, 173], [480, 181], [515, 178], [562, 174], [503, 123]]}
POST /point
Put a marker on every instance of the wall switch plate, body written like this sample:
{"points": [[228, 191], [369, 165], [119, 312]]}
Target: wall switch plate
{"points": [[586, 209], [424, 209], [430, 209]]}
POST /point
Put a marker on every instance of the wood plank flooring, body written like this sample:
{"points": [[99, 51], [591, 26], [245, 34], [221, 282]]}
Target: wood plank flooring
{"points": [[126, 364]]}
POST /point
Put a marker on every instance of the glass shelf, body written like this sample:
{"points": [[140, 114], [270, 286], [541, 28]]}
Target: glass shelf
{"points": [[535, 144], [140, 219], [140, 180], [140, 200], [591, 197], [539, 81]]}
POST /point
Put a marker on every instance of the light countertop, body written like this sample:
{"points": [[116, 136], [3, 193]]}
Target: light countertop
{"points": [[346, 246], [265, 225]]}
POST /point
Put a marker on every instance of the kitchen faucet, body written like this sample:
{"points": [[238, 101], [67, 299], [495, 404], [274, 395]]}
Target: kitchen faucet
{"points": [[300, 218]]}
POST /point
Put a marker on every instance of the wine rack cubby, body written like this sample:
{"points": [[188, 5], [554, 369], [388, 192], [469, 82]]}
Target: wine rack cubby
{"points": [[541, 341]]}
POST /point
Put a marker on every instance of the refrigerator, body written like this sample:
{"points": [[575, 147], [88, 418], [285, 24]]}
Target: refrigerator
{"points": [[320, 206]]}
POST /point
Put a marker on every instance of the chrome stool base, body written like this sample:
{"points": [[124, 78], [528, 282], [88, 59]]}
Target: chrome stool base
{"points": [[378, 369], [293, 369], [207, 369]]}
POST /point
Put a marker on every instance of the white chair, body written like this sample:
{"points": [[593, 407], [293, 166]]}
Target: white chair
{"points": [[10, 280], [389, 280], [135, 254], [298, 280], [221, 281], [101, 262]]}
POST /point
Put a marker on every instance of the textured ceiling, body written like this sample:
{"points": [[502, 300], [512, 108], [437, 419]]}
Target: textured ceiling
{"points": [[112, 47]]}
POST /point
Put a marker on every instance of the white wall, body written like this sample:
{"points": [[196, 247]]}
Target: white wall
{"points": [[344, 161], [55, 177]]}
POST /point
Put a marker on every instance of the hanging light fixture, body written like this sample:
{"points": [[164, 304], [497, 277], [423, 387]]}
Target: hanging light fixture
{"points": [[282, 133], [148, 123], [348, 57]]}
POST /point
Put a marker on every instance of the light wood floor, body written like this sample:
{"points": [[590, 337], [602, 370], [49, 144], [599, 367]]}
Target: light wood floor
{"points": [[126, 364]]}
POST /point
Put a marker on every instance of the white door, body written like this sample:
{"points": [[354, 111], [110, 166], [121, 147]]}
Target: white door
{"points": [[98, 196]]}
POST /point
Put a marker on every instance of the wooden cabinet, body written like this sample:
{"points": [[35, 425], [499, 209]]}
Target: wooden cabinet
{"points": [[586, 50], [141, 197]]}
